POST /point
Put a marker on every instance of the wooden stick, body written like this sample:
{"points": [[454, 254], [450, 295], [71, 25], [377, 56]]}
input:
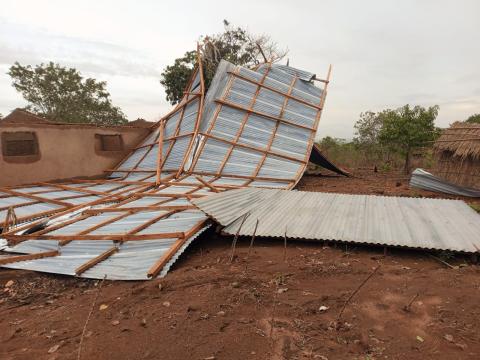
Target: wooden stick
{"points": [[88, 318], [160, 154], [285, 245], [443, 262], [234, 242], [407, 307], [356, 291], [253, 239]]}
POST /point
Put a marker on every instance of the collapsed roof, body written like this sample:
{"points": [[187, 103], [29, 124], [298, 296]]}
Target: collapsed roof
{"points": [[368, 219], [254, 128]]}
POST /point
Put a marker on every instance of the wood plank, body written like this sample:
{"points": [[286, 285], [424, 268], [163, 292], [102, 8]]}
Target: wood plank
{"points": [[14, 239], [35, 256], [158, 266], [210, 186], [92, 262], [160, 150]]}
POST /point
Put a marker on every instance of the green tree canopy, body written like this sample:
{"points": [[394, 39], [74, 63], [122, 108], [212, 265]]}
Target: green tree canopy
{"points": [[406, 128], [367, 129], [62, 94], [474, 119], [234, 44]]}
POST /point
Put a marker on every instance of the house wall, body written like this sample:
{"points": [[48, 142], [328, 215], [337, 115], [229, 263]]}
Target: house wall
{"points": [[65, 151]]}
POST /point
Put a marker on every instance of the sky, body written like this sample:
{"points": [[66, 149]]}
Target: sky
{"points": [[384, 53]]}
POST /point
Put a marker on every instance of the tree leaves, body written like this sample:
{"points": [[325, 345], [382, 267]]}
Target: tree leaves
{"points": [[406, 128], [61, 94], [235, 45], [474, 119]]}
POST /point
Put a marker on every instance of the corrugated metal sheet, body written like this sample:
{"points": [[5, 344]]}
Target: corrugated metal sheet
{"points": [[271, 141], [271, 126], [422, 179], [393, 221], [131, 262]]}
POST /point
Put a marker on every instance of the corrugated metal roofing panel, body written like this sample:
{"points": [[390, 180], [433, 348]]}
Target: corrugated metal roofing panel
{"points": [[422, 179], [393, 221]]}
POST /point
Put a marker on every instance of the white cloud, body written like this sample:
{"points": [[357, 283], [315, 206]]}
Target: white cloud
{"points": [[385, 53]]}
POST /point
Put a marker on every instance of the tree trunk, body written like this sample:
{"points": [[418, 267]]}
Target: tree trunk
{"points": [[406, 168]]}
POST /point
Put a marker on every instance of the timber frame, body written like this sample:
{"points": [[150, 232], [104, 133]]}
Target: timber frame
{"points": [[163, 188]]}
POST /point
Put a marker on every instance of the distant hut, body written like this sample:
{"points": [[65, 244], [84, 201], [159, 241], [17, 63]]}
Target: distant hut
{"points": [[457, 155]]}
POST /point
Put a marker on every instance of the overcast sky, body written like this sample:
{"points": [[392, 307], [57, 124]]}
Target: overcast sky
{"points": [[384, 53]]}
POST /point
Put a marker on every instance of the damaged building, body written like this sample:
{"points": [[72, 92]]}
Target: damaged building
{"points": [[252, 129]]}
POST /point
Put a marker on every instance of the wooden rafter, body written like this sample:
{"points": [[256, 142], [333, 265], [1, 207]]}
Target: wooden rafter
{"points": [[243, 122]]}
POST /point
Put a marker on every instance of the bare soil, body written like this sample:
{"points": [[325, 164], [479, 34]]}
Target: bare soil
{"points": [[260, 306]]}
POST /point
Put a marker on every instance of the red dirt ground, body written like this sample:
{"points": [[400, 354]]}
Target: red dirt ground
{"points": [[209, 308]]}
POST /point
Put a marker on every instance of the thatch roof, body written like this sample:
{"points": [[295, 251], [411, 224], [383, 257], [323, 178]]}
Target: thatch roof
{"points": [[462, 139]]}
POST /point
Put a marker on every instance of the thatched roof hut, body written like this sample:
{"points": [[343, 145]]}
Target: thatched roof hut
{"points": [[457, 154]]}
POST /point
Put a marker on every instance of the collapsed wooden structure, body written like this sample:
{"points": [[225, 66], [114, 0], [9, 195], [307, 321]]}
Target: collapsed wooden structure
{"points": [[253, 128]]}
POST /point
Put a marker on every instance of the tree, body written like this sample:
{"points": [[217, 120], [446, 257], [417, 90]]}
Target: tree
{"points": [[62, 94], [406, 128], [474, 119], [234, 44], [367, 129]]}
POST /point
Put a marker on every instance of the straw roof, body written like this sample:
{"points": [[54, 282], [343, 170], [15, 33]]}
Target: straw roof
{"points": [[462, 139]]}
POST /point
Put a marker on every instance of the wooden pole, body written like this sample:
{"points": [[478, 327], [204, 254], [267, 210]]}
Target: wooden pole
{"points": [[234, 242], [160, 154]]}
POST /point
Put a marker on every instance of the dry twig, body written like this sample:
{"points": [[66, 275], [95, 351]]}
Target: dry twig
{"points": [[234, 242], [253, 239], [356, 291], [88, 318], [407, 307]]}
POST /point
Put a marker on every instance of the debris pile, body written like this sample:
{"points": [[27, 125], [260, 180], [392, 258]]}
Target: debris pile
{"points": [[253, 128]]}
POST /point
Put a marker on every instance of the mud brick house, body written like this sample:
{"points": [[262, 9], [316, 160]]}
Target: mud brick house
{"points": [[34, 149]]}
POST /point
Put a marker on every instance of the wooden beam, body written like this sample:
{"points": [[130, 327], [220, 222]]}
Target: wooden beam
{"points": [[253, 148], [289, 95], [14, 239], [34, 197], [199, 115], [157, 267], [275, 129], [160, 154], [262, 114], [140, 208], [35, 256], [244, 121], [210, 186], [92, 262], [260, 178], [218, 108]]}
